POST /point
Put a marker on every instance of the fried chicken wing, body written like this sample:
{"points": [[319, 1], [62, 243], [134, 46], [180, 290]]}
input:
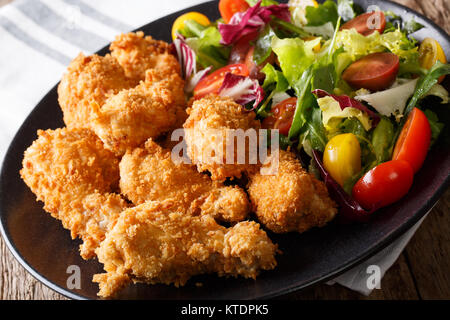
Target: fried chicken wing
{"points": [[89, 79], [156, 243], [210, 132], [291, 200], [149, 173], [137, 54], [71, 172], [129, 118]]}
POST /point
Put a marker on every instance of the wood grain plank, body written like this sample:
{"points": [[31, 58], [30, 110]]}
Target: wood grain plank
{"points": [[429, 253]]}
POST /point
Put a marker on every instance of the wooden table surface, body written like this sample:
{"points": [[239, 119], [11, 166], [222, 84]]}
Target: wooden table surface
{"points": [[421, 272]]}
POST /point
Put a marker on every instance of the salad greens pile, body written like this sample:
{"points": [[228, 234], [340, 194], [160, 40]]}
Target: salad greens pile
{"points": [[311, 51]]}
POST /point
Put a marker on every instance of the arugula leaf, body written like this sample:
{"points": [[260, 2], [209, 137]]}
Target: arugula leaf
{"points": [[426, 82], [274, 77], [324, 78], [382, 139], [411, 26], [325, 12], [436, 126], [263, 46], [302, 89]]}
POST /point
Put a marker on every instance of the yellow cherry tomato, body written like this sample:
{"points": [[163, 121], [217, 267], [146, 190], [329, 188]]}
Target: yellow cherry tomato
{"points": [[196, 16], [342, 157], [431, 51]]}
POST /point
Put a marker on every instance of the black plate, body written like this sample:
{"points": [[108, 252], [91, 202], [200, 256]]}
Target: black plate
{"points": [[46, 250]]}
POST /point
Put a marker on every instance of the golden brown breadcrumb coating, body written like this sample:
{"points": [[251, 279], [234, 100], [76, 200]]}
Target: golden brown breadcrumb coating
{"points": [[291, 200], [129, 118], [156, 243], [71, 172], [149, 173], [89, 79], [137, 54], [210, 122]]}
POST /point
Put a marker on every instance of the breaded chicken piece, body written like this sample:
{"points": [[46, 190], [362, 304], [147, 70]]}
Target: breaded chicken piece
{"points": [[137, 54], [71, 172], [129, 118], [291, 200], [209, 131], [89, 79], [156, 243], [149, 173]]}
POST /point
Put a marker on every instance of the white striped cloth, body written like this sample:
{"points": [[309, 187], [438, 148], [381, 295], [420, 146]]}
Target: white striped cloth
{"points": [[38, 39]]}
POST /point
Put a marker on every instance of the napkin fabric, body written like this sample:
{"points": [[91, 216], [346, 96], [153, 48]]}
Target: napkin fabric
{"points": [[38, 39]]}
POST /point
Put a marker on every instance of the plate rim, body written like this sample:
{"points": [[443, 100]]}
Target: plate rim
{"points": [[426, 208]]}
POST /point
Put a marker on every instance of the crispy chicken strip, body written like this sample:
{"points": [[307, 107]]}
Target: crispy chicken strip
{"points": [[149, 173], [209, 131], [71, 172], [137, 54], [89, 79], [156, 243], [291, 200], [130, 117]]}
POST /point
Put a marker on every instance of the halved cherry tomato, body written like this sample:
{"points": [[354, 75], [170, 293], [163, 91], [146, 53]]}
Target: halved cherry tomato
{"points": [[376, 71], [282, 116], [414, 140], [342, 157], [196, 16], [367, 23], [431, 51], [228, 8], [212, 83], [384, 184]]}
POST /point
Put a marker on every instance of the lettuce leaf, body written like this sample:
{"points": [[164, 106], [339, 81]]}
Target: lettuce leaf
{"points": [[208, 49], [332, 110], [294, 55], [426, 82], [326, 12], [357, 46]]}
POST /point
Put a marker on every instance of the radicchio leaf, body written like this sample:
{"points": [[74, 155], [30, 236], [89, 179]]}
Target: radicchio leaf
{"points": [[346, 102], [244, 23], [192, 82], [349, 209], [242, 89], [187, 59]]}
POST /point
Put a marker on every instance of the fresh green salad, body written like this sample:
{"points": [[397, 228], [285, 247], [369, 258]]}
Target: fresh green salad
{"points": [[352, 89]]}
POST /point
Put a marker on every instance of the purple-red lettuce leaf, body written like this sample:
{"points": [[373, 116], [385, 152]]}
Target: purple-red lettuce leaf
{"points": [[192, 82], [242, 89], [346, 102], [187, 59], [250, 21]]}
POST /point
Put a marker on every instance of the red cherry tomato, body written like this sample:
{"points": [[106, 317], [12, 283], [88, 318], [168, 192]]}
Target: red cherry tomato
{"points": [[376, 71], [228, 8], [212, 83], [367, 23], [282, 116], [384, 184], [414, 140]]}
